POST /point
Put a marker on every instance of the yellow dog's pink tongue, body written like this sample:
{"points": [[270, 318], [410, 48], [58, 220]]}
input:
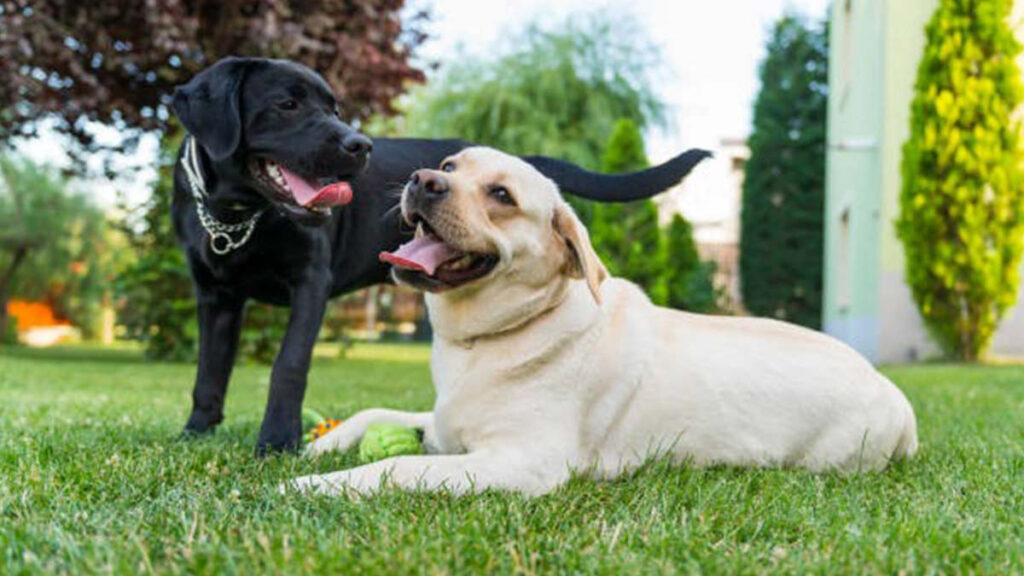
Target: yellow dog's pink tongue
{"points": [[337, 194], [424, 254]]}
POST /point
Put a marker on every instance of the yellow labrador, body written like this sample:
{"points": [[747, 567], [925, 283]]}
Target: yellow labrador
{"points": [[543, 365]]}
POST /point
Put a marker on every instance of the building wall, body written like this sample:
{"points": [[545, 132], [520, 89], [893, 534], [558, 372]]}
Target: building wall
{"points": [[853, 182], [882, 41], [902, 337]]}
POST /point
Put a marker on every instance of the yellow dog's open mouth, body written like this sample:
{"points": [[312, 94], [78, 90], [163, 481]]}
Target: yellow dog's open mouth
{"points": [[428, 262]]}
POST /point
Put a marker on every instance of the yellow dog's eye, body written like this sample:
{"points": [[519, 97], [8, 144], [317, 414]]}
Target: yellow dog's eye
{"points": [[448, 166], [501, 194]]}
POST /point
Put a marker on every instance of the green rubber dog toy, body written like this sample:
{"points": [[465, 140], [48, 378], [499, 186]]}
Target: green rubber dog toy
{"points": [[387, 440], [379, 442]]}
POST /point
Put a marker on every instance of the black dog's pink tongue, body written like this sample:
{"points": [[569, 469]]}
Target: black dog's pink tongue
{"points": [[337, 194], [422, 254]]}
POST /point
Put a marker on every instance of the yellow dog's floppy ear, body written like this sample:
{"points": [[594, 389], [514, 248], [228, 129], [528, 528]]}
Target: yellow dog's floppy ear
{"points": [[582, 261]]}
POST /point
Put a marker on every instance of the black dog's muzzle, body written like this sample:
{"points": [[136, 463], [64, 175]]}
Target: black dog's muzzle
{"points": [[358, 146]]}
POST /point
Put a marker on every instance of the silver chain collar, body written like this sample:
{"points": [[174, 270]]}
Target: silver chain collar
{"points": [[221, 240]]}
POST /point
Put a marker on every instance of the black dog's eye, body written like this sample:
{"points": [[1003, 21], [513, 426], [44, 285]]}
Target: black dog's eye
{"points": [[501, 194], [289, 104], [448, 167]]}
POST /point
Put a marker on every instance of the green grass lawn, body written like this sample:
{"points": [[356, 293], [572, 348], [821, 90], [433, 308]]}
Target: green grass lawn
{"points": [[94, 480]]}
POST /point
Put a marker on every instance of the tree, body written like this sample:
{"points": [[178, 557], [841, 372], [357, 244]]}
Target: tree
{"points": [[962, 202], [782, 222], [627, 236], [51, 243], [116, 62], [631, 243], [689, 281], [555, 91], [625, 149]]}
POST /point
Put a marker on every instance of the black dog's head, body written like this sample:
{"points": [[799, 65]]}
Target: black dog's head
{"points": [[275, 125]]}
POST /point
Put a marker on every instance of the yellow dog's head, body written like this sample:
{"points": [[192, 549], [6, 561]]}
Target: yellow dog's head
{"points": [[491, 227]]}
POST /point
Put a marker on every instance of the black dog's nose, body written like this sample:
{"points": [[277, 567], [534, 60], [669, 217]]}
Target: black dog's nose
{"points": [[428, 181], [357, 145]]}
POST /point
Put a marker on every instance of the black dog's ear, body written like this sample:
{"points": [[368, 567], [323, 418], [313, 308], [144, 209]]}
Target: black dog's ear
{"points": [[209, 108]]}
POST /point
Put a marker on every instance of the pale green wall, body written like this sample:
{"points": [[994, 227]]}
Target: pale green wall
{"points": [[854, 167], [904, 41]]}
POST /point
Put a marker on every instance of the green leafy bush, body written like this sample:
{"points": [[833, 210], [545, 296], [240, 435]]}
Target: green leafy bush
{"points": [[962, 202], [689, 282]]}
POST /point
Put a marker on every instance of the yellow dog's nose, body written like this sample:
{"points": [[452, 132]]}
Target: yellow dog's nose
{"points": [[428, 182]]}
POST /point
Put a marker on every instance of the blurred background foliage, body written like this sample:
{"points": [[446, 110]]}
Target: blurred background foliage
{"points": [[159, 306], [55, 245]]}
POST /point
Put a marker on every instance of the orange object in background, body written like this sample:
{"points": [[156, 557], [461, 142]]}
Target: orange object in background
{"points": [[33, 315]]}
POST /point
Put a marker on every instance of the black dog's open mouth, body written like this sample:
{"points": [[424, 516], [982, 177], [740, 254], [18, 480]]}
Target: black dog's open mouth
{"points": [[297, 193], [430, 263]]}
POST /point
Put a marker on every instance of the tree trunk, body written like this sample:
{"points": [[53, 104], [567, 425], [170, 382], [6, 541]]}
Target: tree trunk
{"points": [[5, 286]]}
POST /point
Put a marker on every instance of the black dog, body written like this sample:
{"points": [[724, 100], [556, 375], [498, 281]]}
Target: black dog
{"points": [[257, 215]]}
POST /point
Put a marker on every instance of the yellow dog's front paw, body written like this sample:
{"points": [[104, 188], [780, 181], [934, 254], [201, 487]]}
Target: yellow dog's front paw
{"points": [[334, 484]]}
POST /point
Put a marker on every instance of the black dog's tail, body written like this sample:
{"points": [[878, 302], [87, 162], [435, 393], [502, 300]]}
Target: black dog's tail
{"points": [[618, 187]]}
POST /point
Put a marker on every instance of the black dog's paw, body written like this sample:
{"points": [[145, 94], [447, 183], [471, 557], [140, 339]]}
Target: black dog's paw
{"points": [[190, 436], [283, 441], [201, 423]]}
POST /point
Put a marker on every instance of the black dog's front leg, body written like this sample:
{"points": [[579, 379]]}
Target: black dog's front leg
{"points": [[282, 423], [220, 323]]}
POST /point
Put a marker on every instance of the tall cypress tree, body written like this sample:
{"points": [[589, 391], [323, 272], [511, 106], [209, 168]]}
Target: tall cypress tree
{"points": [[627, 236], [962, 203], [782, 223]]}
